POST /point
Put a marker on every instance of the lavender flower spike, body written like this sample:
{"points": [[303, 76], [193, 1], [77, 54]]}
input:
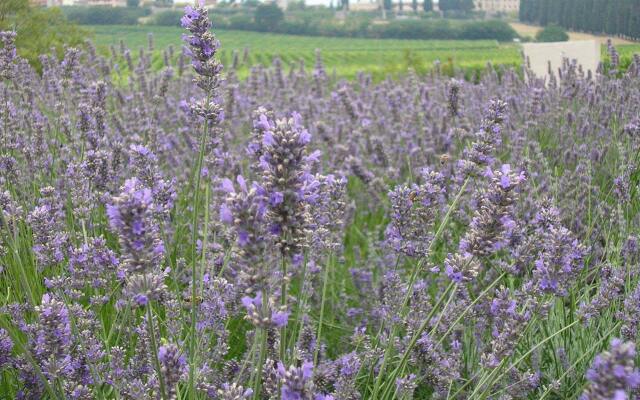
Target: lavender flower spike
{"points": [[132, 215], [173, 366], [202, 47], [296, 381], [613, 374], [7, 54], [288, 184]]}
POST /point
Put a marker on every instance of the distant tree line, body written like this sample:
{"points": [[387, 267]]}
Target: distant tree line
{"points": [[456, 5], [615, 17], [269, 18], [104, 15]]}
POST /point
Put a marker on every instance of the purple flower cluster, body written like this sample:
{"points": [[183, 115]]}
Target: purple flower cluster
{"points": [[611, 289], [261, 316], [6, 346], [7, 54], [486, 139], [132, 216], [173, 368], [202, 48], [613, 374], [296, 381], [50, 239], [493, 218], [414, 210], [91, 266], [630, 315], [559, 262], [288, 183]]}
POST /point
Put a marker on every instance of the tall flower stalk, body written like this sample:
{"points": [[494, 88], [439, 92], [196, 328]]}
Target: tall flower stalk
{"points": [[288, 186], [202, 47]]}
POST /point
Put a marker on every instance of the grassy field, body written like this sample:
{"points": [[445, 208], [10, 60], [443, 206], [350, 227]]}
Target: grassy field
{"points": [[627, 50], [346, 55]]}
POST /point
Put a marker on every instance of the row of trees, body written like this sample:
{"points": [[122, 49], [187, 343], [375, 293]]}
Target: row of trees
{"points": [[456, 5], [105, 15], [616, 17], [269, 18]]}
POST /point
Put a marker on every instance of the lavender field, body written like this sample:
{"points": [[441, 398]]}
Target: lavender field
{"points": [[181, 233]]}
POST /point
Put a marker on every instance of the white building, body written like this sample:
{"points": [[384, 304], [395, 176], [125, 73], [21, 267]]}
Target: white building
{"points": [[542, 55], [105, 3], [497, 6]]}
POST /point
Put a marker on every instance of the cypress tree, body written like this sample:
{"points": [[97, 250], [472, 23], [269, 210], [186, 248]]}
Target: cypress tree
{"points": [[522, 12], [586, 23], [610, 17], [615, 17]]}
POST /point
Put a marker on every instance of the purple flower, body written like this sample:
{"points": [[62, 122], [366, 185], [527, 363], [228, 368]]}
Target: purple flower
{"points": [[611, 289], [227, 186], [559, 262], [131, 216], [7, 54], [6, 346], [173, 367], [492, 219], [275, 198], [141, 299], [486, 139], [296, 381], [191, 15], [414, 209], [53, 334], [225, 214], [234, 392], [613, 373], [287, 183], [435, 364], [280, 318], [49, 237], [252, 302], [202, 48]]}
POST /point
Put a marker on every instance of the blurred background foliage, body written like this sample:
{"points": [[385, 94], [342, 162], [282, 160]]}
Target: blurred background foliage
{"points": [[39, 29]]}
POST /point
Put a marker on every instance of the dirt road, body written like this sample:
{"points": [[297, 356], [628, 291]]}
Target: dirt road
{"points": [[531, 30]]}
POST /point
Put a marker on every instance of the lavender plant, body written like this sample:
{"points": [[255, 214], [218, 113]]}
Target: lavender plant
{"points": [[177, 234]]}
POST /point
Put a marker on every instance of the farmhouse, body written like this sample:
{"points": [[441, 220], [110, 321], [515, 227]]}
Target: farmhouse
{"points": [[497, 6]]}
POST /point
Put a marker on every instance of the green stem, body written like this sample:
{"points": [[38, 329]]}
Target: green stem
{"points": [[582, 357], [325, 280], [283, 302], [263, 349], [414, 274], [154, 349], [518, 361], [470, 306], [194, 256], [451, 289]]}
